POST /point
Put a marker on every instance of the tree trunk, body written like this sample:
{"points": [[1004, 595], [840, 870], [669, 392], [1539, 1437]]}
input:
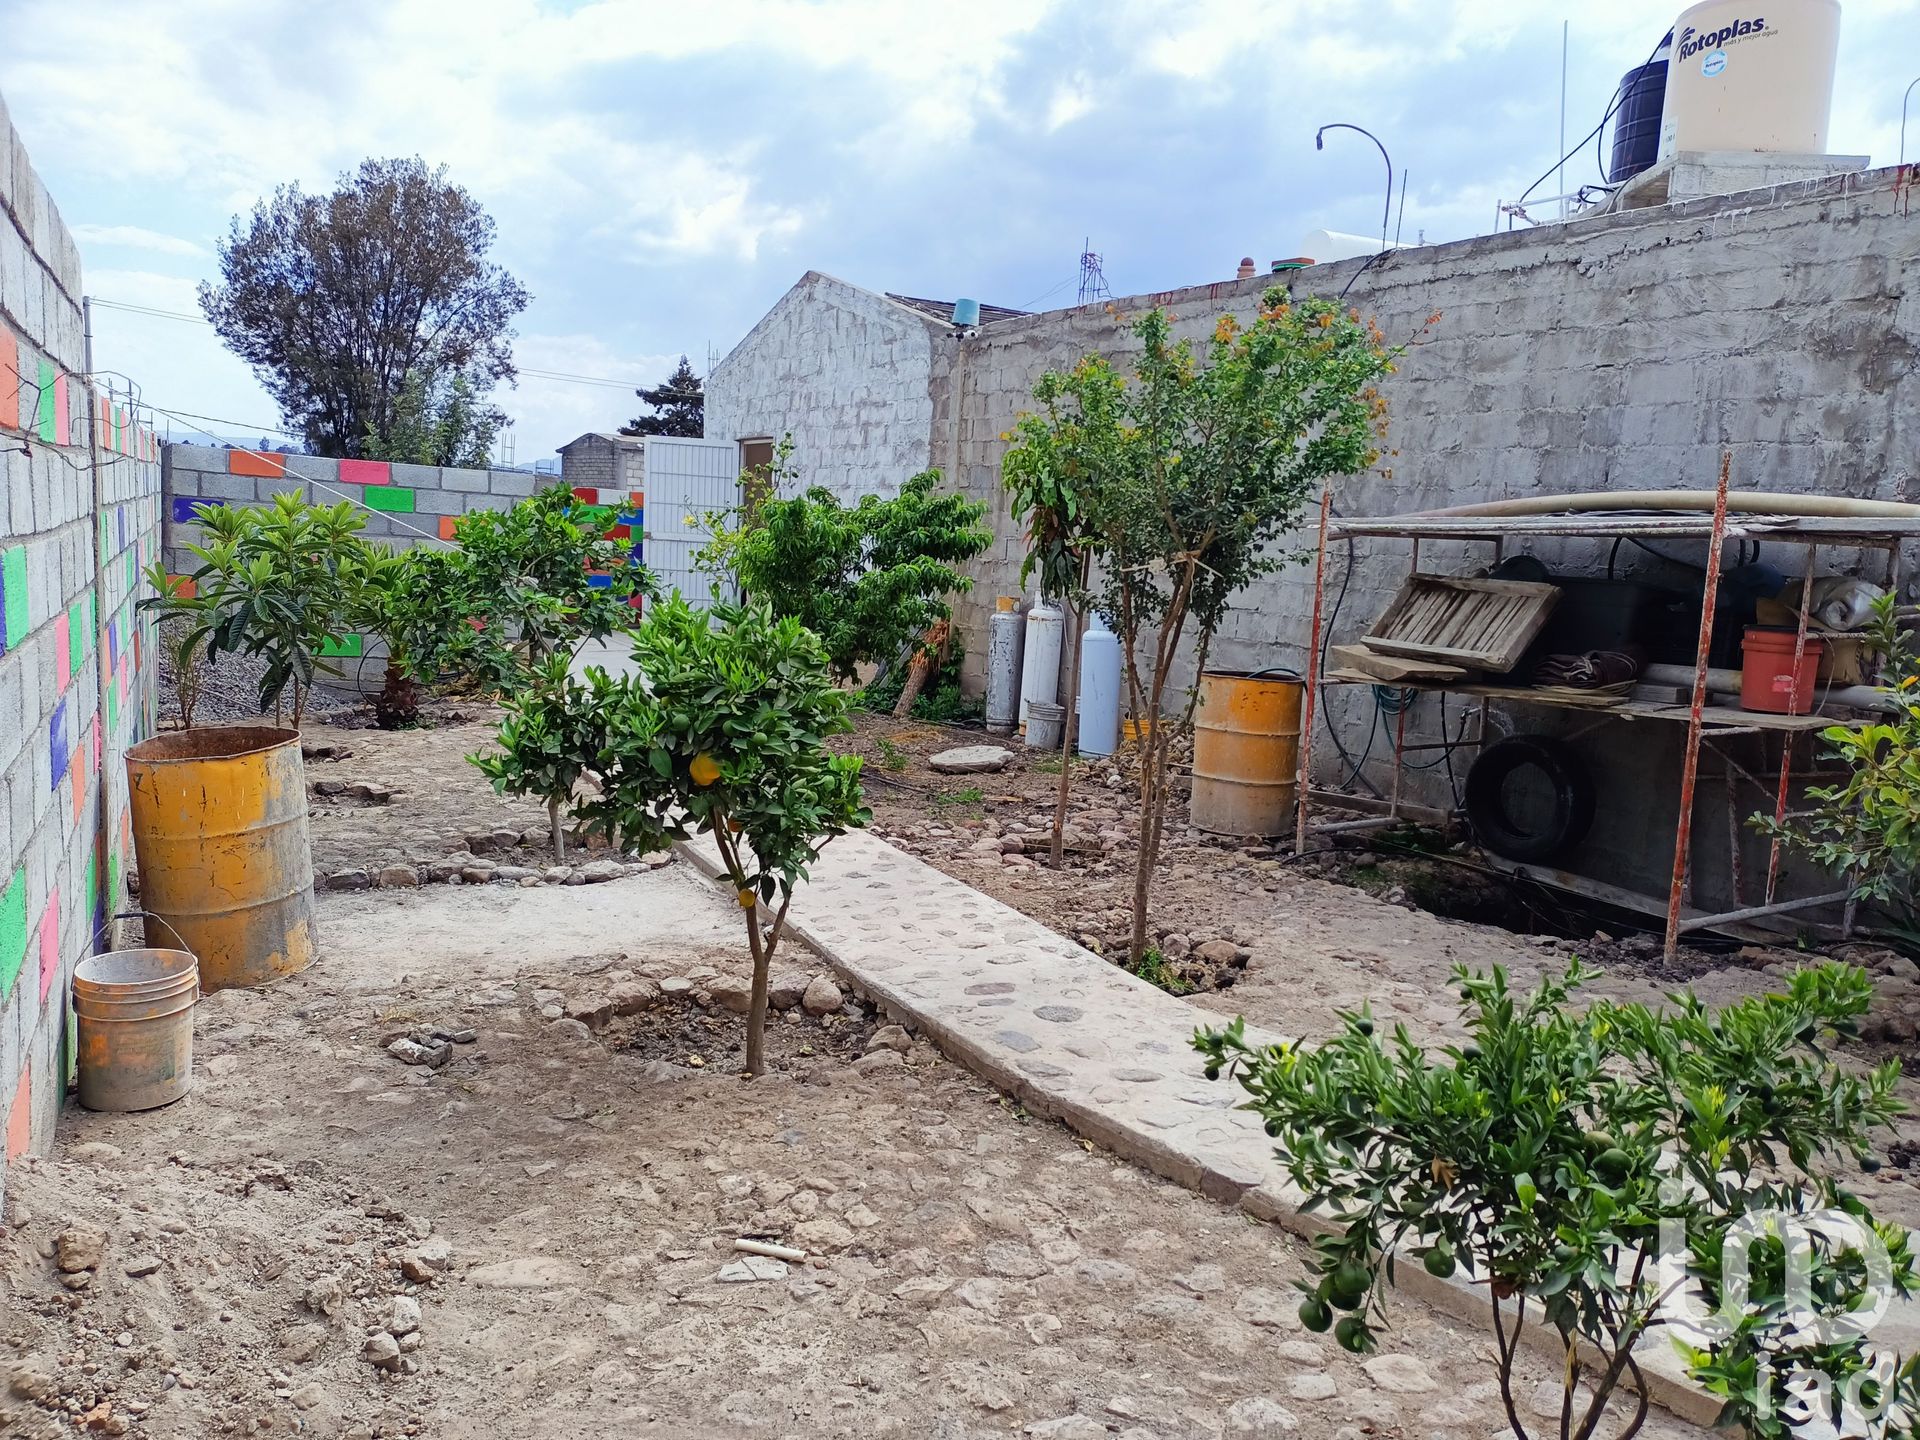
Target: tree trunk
{"points": [[398, 704], [558, 831], [1152, 740], [918, 669], [757, 1006], [1069, 731]]}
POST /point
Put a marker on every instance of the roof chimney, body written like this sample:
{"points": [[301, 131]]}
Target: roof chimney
{"points": [[1247, 272]]}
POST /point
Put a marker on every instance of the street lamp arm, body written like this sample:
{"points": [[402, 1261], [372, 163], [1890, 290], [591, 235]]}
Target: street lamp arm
{"points": [[1386, 211]]}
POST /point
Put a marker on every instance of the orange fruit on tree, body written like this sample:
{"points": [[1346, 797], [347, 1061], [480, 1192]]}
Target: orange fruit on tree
{"points": [[746, 899], [704, 770]]}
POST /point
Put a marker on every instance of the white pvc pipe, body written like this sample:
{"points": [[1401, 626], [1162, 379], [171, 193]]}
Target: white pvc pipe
{"points": [[1750, 502], [1727, 682]]}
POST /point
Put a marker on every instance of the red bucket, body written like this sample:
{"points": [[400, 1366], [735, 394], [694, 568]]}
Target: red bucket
{"points": [[1767, 681]]}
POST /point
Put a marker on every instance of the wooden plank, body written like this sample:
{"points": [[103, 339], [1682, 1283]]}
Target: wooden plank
{"points": [[1393, 669]]}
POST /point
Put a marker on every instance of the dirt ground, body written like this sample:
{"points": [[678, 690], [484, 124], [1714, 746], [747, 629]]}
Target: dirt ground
{"points": [[536, 1239], [1290, 944]]}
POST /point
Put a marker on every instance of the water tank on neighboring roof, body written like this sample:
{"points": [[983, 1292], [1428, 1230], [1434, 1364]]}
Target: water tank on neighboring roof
{"points": [[1751, 77], [1323, 247], [1636, 124]]}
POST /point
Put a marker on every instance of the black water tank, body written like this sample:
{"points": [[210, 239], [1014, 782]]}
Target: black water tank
{"points": [[1636, 125]]}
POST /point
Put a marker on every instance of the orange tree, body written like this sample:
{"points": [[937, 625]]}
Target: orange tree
{"points": [[1608, 1171], [1203, 468], [721, 733]]}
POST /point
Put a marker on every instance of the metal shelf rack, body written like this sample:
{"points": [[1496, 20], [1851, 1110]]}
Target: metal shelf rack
{"points": [[1705, 723]]}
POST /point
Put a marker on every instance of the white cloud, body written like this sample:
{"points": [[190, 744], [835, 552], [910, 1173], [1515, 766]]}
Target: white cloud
{"points": [[135, 237]]}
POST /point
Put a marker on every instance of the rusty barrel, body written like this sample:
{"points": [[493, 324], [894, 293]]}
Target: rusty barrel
{"points": [[1246, 752], [220, 829], [133, 1011]]}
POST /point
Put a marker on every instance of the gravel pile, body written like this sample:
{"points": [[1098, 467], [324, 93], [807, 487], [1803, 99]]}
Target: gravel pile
{"points": [[230, 691]]}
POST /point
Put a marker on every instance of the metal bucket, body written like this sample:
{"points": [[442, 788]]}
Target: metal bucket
{"points": [[133, 1010], [1246, 753], [1046, 725], [220, 828]]}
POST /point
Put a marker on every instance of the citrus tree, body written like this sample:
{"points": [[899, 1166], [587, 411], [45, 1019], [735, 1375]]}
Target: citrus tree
{"points": [[722, 733], [420, 604], [1203, 467], [1608, 1171], [532, 573]]}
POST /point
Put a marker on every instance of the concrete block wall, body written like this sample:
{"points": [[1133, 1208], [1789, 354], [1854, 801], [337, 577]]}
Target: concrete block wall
{"points": [[402, 505], [79, 522], [847, 372], [1623, 352]]}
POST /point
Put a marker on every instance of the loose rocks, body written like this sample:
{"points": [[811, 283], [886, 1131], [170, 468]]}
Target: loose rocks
{"points": [[822, 997]]}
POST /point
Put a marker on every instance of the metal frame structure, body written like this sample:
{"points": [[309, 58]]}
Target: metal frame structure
{"points": [[1707, 724]]}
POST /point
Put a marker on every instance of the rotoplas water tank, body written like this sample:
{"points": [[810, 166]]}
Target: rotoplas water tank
{"points": [[1755, 76]]}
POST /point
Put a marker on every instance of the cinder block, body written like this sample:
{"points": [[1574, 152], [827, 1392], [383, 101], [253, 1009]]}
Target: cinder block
{"points": [[511, 482], [419, 477], [233, 487], [467, 482], [313, 467], [438, 502]]}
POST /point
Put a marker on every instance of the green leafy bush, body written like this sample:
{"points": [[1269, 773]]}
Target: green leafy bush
{"points": [[1867, 828], [1593, 1166], [420, 603], [531, 572], [868, 580], [722, 733], [275, 581]]}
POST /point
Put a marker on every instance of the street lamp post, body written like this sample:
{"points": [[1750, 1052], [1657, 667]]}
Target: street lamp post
{"points": [[1386, 210]]}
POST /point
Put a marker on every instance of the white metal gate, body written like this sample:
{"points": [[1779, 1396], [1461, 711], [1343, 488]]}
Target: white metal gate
{"points": [[686, 480]]}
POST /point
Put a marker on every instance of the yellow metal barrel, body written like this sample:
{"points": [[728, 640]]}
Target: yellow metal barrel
{"points": [[1246, 753], [220, 828]]}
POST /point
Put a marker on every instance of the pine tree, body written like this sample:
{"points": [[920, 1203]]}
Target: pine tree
{"points": [[679, 407]]}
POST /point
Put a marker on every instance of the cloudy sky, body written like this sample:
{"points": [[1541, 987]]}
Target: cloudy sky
{"points": [[662, 172]]}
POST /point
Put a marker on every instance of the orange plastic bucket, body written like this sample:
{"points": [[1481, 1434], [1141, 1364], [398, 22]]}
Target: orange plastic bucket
{"points": [[134, 1013], [1767, 680]]}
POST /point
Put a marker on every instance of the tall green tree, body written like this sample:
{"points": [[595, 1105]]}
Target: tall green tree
{"points": [[439, 420], [341, 301], [678, 406]]}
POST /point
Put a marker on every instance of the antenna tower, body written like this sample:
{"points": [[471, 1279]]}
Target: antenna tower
{"points": [[1093, 280]]}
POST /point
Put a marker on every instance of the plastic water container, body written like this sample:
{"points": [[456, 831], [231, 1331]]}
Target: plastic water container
{"points": [[134, 1013]]}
